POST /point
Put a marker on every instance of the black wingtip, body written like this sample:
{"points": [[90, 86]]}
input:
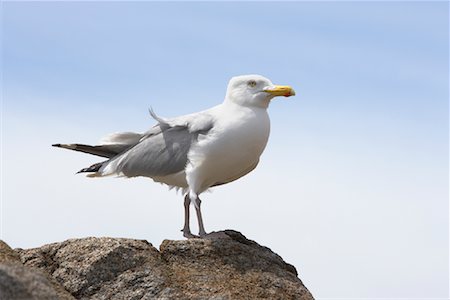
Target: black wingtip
{"points": [[56, 145], [93, 168], [82, 171]]}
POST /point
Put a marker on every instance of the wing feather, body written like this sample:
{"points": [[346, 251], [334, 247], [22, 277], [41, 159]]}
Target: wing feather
{"points": [[161, 151]]}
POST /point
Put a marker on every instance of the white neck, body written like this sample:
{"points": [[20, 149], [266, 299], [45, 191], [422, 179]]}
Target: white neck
{"points": [[258, 102]]}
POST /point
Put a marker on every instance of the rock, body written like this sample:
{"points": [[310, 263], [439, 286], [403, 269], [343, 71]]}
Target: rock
{"points": [[18, 282], [230, 268], [102, 268], [7, 254], [226, 265]]}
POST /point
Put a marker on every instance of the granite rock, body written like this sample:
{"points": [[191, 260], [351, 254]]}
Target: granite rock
{"points": [[226, 265], [18, 282]]}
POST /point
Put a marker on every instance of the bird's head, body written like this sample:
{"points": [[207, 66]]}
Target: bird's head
{"points": [[255, 90]]}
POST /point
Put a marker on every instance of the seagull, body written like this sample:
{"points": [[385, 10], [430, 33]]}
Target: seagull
{"points": [[197, 151]]}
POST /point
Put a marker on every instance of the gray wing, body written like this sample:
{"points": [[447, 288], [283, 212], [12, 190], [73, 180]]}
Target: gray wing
{"points": [[161, 151]]}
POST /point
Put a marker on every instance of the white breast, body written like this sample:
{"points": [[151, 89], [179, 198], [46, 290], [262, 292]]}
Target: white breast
{"points": [[229, 150]]}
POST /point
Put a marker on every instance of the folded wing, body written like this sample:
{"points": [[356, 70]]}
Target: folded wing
{"points": [[161, 151]]}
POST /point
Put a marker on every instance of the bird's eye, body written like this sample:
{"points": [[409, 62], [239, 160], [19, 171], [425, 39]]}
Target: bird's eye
{"points": [[251, 83]]}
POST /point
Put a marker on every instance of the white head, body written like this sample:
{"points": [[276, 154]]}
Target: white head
{"points": [[254, 90]]}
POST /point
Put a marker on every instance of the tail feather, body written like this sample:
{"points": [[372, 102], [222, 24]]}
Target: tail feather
{"points": [[110, 146], [108, 151]]}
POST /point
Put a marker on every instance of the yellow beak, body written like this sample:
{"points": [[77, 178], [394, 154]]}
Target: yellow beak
{"points": [[280, 90]]}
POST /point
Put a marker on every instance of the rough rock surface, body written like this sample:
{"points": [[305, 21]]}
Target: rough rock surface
{"points": [[24, 283], [226, 266]]}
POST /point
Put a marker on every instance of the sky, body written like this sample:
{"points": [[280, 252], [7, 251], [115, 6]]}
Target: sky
{"points": [[352, 188]]}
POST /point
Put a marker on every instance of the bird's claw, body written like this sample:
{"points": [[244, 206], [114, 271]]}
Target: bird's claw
{"points": [[187, 234]]}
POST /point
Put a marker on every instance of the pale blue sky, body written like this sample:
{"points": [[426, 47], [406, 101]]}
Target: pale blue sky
{"points": [[353, 186]]}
